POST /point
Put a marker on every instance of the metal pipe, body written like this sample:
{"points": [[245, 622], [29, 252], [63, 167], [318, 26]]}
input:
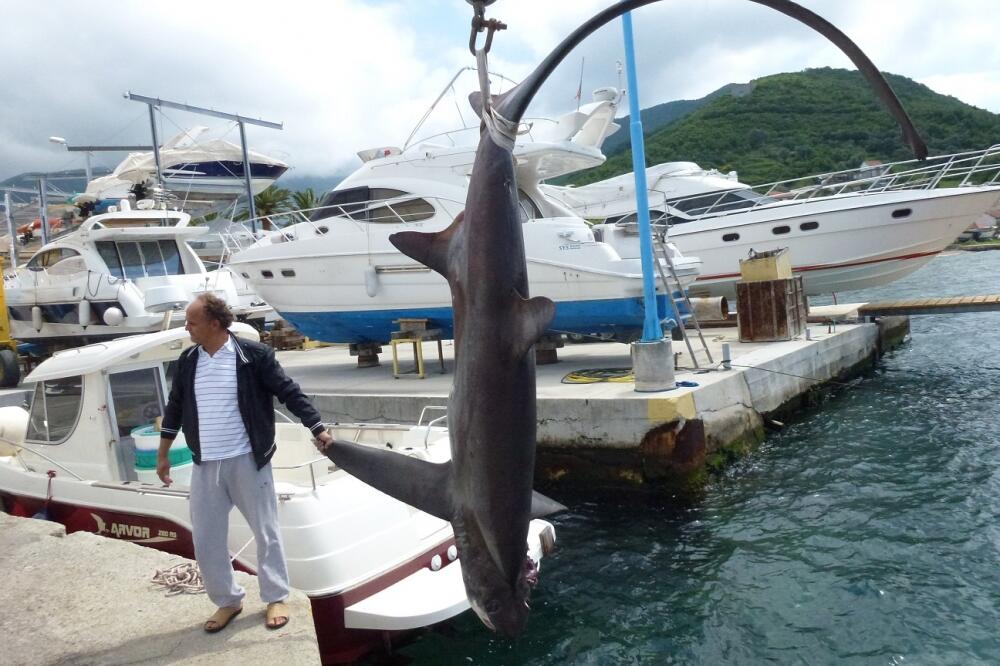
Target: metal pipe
{"points": [[156, 146], [651, 331], [10, 229], [247, 176], [43, 207]]}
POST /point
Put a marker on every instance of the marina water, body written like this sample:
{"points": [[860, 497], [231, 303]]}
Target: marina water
{"points": [[866, 532]]}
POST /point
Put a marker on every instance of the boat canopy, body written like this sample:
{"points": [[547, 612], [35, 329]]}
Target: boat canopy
{"points": [[101, 355]]}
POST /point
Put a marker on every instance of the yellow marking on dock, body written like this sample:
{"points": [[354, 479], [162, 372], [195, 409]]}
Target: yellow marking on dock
{"points": [[919, 306], [671, 409]]}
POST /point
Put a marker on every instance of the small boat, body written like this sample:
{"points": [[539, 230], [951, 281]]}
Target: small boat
{"points": [[850, 230], [333, 274], [84, 454], [120, 273]]}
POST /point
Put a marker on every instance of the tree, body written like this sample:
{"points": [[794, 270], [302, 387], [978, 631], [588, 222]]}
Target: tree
{"points": [[271, 201], [305, 199]]}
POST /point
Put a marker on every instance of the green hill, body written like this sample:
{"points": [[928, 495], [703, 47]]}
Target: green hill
{"points": [[818, 120]]}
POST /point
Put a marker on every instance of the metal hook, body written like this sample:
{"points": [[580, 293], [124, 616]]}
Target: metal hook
{"points": [[480, 23]]}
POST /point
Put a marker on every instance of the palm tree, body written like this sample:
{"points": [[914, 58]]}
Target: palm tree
{"points": [[305, 199], [271, 201]]}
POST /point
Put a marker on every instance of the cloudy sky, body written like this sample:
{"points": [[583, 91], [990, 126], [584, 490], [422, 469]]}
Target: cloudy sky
{"points": [[345, 75]]}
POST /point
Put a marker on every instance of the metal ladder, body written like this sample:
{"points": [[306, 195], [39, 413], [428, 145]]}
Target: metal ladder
{"points": [[671, 283]]}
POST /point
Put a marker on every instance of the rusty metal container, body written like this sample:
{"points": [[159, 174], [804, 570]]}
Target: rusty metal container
{"points": [[771, 310]]}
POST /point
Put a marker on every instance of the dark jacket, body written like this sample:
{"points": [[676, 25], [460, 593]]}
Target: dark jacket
{"points": [[259, 379]]}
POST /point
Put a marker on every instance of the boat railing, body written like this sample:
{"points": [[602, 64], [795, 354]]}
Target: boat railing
{"points": [[965, 169], [24, 447]]}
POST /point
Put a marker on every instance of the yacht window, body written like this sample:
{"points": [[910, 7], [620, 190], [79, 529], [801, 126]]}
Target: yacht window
{"points": [[136, 397], [267, 274], [901, 213], [152, 259], [131, 259], [528, 209], [50, 258], [407, 210], [718, 202], [287, 272], [730, 237], [109, 253], [783, 229], [171, 257], [55, 408], [809, 226]]}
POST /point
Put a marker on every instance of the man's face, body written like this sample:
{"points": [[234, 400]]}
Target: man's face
{"points": [[199, 326]]}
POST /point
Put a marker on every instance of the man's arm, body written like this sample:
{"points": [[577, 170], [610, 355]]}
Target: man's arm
{"points": [[170, 426], [288, 393]]}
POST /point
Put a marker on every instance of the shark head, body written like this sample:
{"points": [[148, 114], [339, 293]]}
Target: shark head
{"points": [[498, 592]]}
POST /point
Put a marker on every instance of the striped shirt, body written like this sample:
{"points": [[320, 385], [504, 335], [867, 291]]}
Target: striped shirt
{"points": [[220, 425]]}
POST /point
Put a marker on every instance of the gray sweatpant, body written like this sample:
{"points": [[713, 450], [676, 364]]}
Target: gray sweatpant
{"points": [[216, 486]]}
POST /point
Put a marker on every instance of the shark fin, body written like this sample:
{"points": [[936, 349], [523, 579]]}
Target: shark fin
{"points": [[535, 315], [476, 100], [542, 506], [421, 484], [430, 249]]}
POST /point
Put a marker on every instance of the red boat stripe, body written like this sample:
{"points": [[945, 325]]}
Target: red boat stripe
{"points": [[819, 267]]}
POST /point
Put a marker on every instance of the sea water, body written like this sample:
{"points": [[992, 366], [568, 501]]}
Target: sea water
{"points": [[865, 532]]}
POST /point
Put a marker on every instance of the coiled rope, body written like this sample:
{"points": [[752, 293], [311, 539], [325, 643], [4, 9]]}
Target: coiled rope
{"points": [[183, 578]]}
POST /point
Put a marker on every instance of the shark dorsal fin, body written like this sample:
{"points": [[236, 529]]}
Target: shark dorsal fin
{"points": [[542, 506], [534, 316], [430, 249]]}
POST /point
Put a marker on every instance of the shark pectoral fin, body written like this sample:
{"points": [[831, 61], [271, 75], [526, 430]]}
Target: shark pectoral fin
{"points": [[542, 506], [476, 100], [421, 484], [535, 316], [430, 249]]}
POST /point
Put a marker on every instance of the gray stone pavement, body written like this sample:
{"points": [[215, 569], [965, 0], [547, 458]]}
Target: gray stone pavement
{"points": [[87, 599]]}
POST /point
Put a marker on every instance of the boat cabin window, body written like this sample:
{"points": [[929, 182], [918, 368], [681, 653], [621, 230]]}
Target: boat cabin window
{"points": [[55, 408], [50, 258], [718, 202], [137, 259], [365, 204], [528, 209]]}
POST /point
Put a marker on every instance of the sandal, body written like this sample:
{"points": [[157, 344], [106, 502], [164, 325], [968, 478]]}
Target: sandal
{"points": [[221, 618], [277, 615]]}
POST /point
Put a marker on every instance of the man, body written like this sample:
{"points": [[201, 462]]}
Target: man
{"points": [[222, 398]]}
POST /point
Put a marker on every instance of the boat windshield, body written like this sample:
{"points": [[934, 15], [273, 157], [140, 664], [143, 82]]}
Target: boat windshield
{"points": [[716, 202], [50, 258], [373, 204], [55, 408], [138, 259]]}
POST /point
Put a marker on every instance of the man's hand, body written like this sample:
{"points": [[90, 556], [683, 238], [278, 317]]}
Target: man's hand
{"points": [[323, 441], [163, 469]]}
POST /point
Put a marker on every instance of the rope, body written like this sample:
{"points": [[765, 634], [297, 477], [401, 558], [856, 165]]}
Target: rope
{"points": [[183, 578], [595, 375]]}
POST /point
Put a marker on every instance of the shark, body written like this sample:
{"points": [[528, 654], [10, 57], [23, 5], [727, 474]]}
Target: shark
{"points": [[485, 491]]}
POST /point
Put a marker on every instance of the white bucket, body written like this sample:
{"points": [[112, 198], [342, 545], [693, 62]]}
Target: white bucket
{"points": [[147, 444]]}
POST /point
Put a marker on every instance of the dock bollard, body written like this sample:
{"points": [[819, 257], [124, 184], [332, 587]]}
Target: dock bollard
{"points": [[727, 357]]}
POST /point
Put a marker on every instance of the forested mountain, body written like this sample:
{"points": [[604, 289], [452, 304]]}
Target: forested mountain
{"points": [[790, 125]]}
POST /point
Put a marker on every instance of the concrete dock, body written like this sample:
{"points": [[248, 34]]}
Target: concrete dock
{"points": [[608, 431], [87, 599]]}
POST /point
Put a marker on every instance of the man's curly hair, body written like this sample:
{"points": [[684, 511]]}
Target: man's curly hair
{"points": [[216, 309]]}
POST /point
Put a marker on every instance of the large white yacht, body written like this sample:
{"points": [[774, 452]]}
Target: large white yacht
{"points": [[848, 230], [123, 272], [333, 273]]}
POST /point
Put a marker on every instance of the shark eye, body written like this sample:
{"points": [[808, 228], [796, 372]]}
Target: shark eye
{"points": [[493, 606]]}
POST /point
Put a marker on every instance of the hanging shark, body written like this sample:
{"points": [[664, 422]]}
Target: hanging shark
{"points": [[485, 491]]}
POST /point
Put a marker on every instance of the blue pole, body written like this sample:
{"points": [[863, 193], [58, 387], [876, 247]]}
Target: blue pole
{"points": [[651, 331]]}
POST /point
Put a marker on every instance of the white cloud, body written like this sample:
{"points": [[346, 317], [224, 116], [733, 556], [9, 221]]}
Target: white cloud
{"points": [[347, 74]]}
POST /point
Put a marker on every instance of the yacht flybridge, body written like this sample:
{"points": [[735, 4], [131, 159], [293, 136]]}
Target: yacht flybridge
{"points": [[119, 273], [85, 454], [333, 273], [848, 230]]}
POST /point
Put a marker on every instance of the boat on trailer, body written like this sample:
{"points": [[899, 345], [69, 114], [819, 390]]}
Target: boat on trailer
{"points": [[848, 230], [119, 273], [372, 567]]}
